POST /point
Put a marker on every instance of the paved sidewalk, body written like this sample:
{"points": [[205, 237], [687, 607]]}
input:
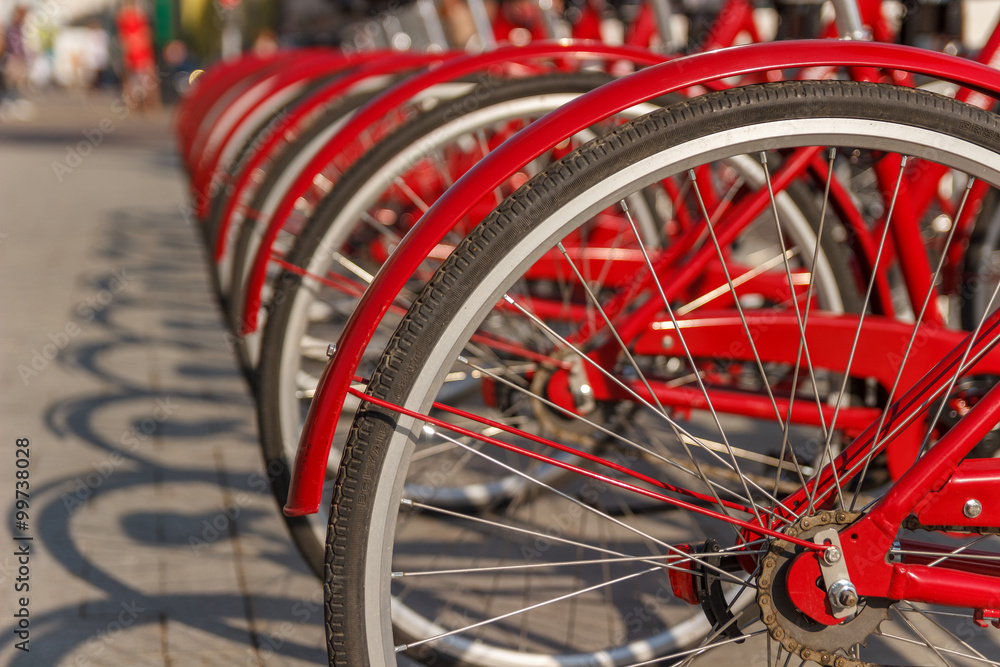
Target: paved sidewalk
{"points": [[155, 539]]}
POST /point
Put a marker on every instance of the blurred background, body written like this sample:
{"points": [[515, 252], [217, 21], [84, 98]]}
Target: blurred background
{"points": [[105, 45], [108, 45]]}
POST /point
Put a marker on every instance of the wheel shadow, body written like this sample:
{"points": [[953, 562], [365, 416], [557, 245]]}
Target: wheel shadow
{"points": [[160, 518]]}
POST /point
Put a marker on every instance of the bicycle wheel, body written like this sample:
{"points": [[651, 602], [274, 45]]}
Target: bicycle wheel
{"points": [[721, 398], [240, 237]]}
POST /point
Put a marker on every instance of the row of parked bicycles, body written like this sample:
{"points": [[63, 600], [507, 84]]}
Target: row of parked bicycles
{"points": [[571, 353]]}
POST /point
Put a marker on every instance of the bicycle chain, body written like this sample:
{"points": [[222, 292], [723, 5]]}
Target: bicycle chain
{"points": [[911, 523]]}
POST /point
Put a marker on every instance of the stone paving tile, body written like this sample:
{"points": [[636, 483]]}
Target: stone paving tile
{"points": [[142, 429]]}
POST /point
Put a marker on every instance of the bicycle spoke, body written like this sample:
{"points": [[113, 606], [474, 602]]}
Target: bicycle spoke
{"points": [[708, 644], [954, 379], [697, 651], [642, 376], [384, 230], [411, 195], [739, 309], [673, 551], [443, 168], [913, 628], [927, 614], [942, 649], [732, 291], [943, 556], [598, 427], [404, 647], [745, 277]]}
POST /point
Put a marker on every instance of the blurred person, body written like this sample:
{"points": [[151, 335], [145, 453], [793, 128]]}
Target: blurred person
{"points": [[97, 54], [141, 83], [178, 65], [15, 58], [266, 43]]}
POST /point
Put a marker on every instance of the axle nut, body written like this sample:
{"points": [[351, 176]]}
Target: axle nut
{"points": [[842, 594]]}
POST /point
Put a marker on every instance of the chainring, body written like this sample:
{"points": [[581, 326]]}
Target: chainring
{"points": [[794, 630]]}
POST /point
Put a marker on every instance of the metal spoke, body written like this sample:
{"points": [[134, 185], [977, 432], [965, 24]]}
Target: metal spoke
{"points": [[954, 378], [957, 553], [439, 159], [747, 276], [931, 397], [913, 628], [704, 645], [404, 647], [907, 640], [407, 502], [709, 446], [484, 147], [565, 563], [385, 230], [642, 376], [739, 309], [632, 529], [927, 615], [535, 566], [561, 340], [411, 195], [732, 290]]}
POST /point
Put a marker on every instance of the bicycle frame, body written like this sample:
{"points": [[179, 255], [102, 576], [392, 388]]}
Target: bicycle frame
{"points": [[927, 490], [314, 446]]}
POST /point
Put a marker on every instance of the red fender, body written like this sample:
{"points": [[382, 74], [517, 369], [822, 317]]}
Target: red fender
{"points": [[206, 90], [314, 445], [264, 98], [391, 99], [214, 96], [386, 63]]}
